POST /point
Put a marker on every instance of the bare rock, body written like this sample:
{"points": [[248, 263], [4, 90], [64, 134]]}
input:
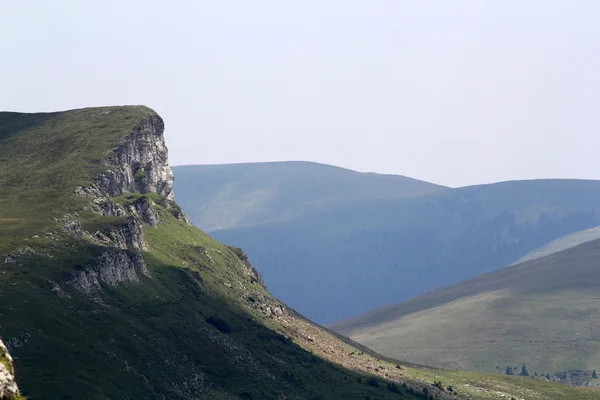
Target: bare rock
{"points": [[112, 268], [8, 386], [140, 164], [143, 207]]}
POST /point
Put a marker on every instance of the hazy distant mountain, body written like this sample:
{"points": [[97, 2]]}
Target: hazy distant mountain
{"points": [[238, 195], [357, 254], [544, 313]]}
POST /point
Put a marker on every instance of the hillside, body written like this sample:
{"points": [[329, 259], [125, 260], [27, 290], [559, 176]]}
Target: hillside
{"points": [[563, 243], [543, 313], [365, 254], [238, 195]]}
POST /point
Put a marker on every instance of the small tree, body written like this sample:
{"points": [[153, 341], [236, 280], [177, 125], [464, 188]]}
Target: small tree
{"points": [[509, 370], [594, 375], [547, 376], [524, 371]]}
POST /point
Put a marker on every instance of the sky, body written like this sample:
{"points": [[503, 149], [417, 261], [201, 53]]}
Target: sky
{"points": [[453, 92]]}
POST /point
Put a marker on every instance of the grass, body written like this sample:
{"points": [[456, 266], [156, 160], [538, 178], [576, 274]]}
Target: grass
{"points": [[44, 157], [542, 313]]}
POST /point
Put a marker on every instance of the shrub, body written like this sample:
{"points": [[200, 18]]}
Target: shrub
{"points": [[373, 382], [392, 387], [219, 323]]}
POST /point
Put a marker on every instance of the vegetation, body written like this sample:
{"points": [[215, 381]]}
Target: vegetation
{"points": [[543, 312]]}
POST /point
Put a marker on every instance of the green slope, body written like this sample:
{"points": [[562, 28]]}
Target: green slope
{"points": [[238, 195], [543, 313]]}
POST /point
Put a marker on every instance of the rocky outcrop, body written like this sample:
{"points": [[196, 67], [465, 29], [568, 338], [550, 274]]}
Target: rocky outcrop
{"points": [[140, 164], [249, 268], [143, 208], [129, 235], [8, 386], [111, 268]]}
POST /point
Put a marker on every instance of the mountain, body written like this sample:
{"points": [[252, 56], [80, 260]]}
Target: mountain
{"points": [[108, 292], [563, 243], [239, 195], [364, 253], [542, 312]]}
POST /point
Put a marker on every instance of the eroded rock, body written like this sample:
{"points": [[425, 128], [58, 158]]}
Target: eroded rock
{"points": [[111, 268], [8, 386]]}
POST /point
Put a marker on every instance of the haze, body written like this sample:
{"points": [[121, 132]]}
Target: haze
{"points": [[455, 93]]}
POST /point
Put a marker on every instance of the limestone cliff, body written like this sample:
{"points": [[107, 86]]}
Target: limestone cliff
{"points": [[138, 165], [8, 386]]}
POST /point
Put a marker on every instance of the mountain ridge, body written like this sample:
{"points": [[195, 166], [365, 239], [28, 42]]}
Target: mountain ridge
{"points": [[248, 194]]}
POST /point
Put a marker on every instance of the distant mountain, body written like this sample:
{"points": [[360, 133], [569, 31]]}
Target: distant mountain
{"points": [[239, 195], [352, 256], [544, 313], [563, 243]]}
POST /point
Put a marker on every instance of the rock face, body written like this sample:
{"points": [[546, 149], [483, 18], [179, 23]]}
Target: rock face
{"points": [[8, 386], [111, 268], [143, 208], [140, 163], [250, 270]]}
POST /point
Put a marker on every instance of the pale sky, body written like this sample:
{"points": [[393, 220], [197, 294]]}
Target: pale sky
{"points": [[454, 92]]}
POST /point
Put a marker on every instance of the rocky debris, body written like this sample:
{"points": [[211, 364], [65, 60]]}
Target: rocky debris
{"points": [[143, 208], [8, 386], [140, 164], [111, 268], [72, 226], [58, 290], [322, 343], [19, 256]]}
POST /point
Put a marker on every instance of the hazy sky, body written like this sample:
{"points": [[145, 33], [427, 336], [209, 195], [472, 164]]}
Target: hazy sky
{"points": [[455, 92]]}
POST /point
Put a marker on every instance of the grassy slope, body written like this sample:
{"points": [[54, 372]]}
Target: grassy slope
{"points": [[239, 195], [563, 243], [152, 339], [542, 312]]}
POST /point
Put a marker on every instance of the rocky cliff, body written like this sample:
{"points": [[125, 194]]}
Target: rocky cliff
{"points": [[8, 386], [138, 165]]}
